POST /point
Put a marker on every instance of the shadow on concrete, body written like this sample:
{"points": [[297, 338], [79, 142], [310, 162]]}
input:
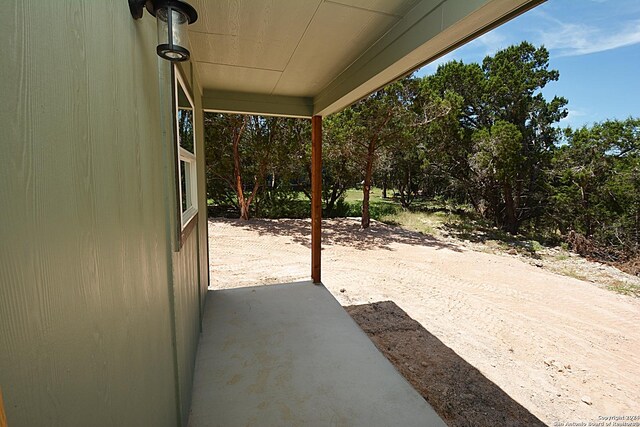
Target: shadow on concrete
{"points": [[341, 232], [458, 392]]}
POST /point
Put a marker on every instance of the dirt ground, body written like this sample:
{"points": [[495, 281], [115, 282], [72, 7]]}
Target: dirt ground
{"points": [[494, 335]]}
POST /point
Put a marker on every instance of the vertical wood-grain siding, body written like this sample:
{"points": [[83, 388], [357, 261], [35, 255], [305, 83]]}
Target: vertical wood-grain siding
{"points": [[86, 264], [203, 218], [186, 294], [187, 276]]}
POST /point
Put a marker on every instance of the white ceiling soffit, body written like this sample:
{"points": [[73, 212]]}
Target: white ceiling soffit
{"points": [[315, 57]]}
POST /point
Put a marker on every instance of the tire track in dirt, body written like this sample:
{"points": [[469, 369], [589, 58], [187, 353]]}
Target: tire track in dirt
{"points": [[545, 339]]}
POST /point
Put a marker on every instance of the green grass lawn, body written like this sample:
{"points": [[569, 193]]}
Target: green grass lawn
{"points": [[375, 196], [424, 216]]}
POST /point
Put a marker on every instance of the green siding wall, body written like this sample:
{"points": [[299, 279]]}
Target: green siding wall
{"points": [[190, 278], [203, 233], [187, 317], [88, 276], [188, 71]]}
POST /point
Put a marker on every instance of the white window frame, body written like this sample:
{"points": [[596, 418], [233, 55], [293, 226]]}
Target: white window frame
{"points": [[192, 184], [184, 155]]}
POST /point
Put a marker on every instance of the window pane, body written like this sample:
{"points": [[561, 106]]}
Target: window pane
{"points": [[183, 184], [185, 151], [185, 129]]}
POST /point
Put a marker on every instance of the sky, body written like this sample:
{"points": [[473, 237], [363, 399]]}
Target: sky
{"points": [[594, 44]]}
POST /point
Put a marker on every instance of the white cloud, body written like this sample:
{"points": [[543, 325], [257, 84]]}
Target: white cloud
{"points": [[474, 51], [433, 66], [573, 114], [575, 117], [561, 38], [490, 42], [569, 39]]}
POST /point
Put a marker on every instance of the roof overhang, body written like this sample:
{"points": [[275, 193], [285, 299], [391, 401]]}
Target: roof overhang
{"points": [[301, 58]]}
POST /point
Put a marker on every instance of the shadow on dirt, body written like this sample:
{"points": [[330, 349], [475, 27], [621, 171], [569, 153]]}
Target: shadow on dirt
{"points": [[341, 232], [458, 392]]}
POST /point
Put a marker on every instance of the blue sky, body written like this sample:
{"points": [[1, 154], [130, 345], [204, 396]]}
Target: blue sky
{"points": [[594, 44]]}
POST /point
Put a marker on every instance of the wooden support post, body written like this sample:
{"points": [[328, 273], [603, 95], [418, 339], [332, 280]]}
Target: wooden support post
{"points": [[316, 196]]}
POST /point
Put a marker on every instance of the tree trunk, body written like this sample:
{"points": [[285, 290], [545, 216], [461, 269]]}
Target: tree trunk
{"points": [[244, 210], [406, 193], [242, 203], [333, 198], [588, 228], [366, 188], [384, 188], [511, 220], [637, 233]]}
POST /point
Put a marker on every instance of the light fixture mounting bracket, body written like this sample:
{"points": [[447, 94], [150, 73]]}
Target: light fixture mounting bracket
{"points": [[137, 8]]}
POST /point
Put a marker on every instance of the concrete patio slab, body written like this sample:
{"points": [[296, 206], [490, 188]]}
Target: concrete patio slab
{"points": [[289, 355]]}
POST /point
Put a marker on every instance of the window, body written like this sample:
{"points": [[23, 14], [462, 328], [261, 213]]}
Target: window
{"points": [[186, 171]]}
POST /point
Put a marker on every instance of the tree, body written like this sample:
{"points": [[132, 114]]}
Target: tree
{"points": [[496, 162], [403, 168], [340, 166], [387, 120], [244, 149], [505, 90], [220, 132], [596, 187], [446, 144], [377, 121], [289, 163], [514, 78]]}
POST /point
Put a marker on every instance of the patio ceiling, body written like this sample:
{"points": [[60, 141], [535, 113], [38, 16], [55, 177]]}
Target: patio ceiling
{"points": [[315, 57]]}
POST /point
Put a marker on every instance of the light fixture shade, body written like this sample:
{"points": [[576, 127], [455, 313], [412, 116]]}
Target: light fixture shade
{"points": [[172, 17], [172, 34]]}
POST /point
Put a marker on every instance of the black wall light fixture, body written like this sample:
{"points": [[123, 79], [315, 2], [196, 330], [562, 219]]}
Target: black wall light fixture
{"points": [[173, 16]]}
